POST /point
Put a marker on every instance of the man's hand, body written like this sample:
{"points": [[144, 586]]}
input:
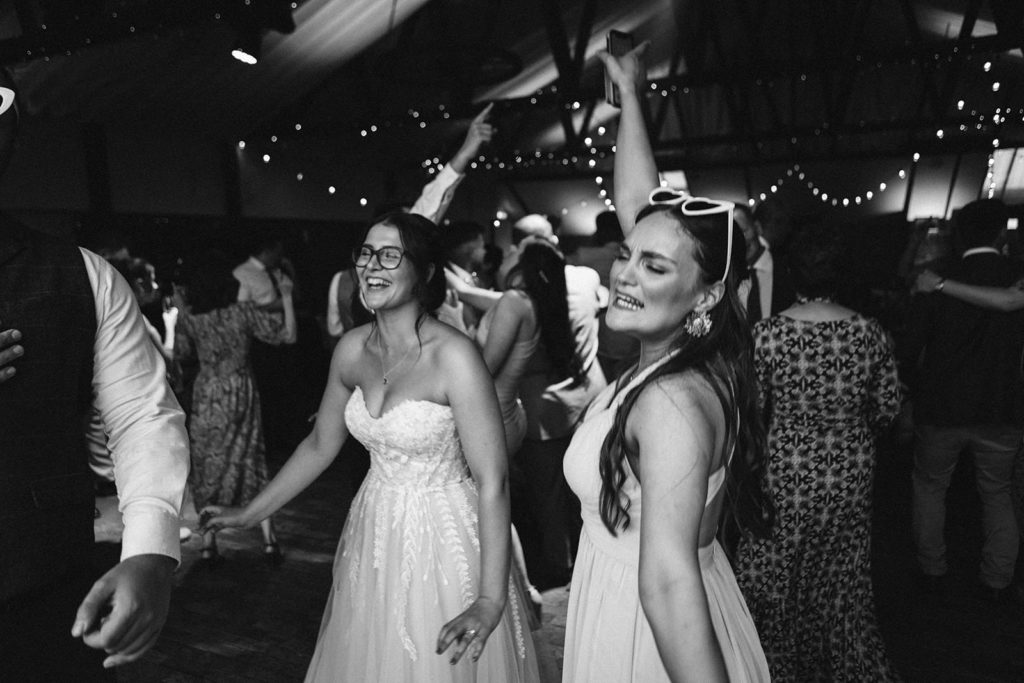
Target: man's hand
{"points": [[10, 350], [137, 593]]}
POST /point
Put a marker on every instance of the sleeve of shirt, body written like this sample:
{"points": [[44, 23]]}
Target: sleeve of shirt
{"points": [[143, 421], [335, 328], [437, 194], [244, 291]]}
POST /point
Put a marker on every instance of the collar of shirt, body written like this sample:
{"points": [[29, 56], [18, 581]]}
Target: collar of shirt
{"points": [[980, 250], [764, 262]]}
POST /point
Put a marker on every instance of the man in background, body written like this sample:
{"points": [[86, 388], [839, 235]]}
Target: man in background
{"points": [[968, 396]]}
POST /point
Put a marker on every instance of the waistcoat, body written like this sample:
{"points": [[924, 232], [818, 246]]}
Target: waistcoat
{"points": [[46, 492]]}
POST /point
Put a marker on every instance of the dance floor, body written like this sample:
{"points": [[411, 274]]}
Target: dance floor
{"points": [[247, 621]]}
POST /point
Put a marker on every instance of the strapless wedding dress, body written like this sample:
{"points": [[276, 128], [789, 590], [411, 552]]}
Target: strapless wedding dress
{"points": [[409, 561]]}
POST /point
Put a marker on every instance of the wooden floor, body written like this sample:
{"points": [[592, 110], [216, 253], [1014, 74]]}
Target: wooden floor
{"points": [[246, 621]]}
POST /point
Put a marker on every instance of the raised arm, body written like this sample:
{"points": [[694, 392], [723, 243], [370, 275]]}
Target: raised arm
{"points": [[512, 310], [268, 328], [312, 456], [437, 195], [1004, 299], [470, 393], [636, 173], [675, 430], [471, 295]]}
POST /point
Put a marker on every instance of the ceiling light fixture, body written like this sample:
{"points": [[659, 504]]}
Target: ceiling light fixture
{"points": [[247, 47]]}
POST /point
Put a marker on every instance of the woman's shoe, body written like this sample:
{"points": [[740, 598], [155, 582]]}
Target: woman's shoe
{"points": [[272, 553]]}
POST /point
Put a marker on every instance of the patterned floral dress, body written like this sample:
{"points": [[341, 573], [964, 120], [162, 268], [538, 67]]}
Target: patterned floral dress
{"points": [[828, 387], [229, 464]]}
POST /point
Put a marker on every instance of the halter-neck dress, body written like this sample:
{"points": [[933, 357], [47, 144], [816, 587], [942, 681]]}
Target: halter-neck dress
{"points": [[608, 638]]}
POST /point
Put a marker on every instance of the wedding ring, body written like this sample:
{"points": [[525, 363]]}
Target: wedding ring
{"points": [[470, 634]]}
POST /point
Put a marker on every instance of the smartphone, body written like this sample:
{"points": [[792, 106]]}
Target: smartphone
{"points": [[618, 43]]}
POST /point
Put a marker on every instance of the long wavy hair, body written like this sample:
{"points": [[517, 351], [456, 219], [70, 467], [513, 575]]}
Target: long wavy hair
{"points": [[542, 269], [422, 243], [724, 358]]}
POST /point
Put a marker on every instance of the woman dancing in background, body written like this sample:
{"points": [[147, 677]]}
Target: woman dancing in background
{"points": [[421, 578], [828, 385], [225, 430], [670, 446]]}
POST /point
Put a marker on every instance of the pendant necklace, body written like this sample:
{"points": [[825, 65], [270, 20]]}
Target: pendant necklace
{"points": [[380, 349]]}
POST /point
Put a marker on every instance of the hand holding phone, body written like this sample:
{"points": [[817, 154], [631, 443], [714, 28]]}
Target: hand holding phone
{"points": [[618, 43]]}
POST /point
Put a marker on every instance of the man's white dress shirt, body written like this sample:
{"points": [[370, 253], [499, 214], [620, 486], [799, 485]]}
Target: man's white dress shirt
{"points": [[144, 424]]}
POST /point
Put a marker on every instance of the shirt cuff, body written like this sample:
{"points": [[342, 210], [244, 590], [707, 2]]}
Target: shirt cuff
{"points": [[149, 531]]}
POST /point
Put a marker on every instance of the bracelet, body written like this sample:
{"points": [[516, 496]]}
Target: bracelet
{"points": [[940, 284]]}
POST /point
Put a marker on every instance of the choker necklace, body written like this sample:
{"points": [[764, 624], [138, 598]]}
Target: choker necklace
{"points": [[380, 349], [814, 300]]}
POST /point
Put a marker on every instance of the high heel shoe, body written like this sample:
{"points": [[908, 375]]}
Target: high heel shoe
{"points": [[272, 553]]}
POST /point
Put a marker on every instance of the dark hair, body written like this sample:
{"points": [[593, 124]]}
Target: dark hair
{"points": [[210, 283], [493, 256], [131, 269], [391, 206], [108, 243], [543, 271], [981, 222], [458, 233], [264, 239], [608, 228], [421, 241], [725, 359], [815, 256]]}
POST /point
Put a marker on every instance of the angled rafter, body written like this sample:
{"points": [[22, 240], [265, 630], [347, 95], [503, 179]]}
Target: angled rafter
{"points": [[569, 64]]}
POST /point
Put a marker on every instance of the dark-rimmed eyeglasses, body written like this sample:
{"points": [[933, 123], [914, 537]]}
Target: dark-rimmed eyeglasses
{"points": [[697, 206], [389, 258]]}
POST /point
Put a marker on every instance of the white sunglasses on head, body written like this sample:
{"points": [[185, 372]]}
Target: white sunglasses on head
{"points": [[696, 206], [6, 99]]}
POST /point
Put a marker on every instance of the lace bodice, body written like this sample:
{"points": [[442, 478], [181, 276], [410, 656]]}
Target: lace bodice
{"points": [[414, 443]]}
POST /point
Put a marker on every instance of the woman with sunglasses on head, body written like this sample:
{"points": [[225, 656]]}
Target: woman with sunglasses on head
{"points": [[672, 447], [421, 577]]}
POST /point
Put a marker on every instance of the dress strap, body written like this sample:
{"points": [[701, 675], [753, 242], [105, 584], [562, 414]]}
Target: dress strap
{"points": [[644, 373]]}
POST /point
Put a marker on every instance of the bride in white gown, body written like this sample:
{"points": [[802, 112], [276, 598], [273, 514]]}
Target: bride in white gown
{"points": [[421, 578]]}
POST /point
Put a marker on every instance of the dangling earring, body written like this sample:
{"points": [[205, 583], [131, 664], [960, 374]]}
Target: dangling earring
{"points": [[362, 300], [697, 323]]}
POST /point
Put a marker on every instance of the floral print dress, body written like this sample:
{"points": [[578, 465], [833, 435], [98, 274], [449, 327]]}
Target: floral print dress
{"points": [[225, 428], [828, 388]]}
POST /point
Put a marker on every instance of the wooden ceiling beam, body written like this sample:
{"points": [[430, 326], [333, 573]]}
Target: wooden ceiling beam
{"points": [[568, 63]]}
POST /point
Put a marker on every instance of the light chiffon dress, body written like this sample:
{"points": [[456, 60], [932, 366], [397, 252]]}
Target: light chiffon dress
{"points": [[608, 638], [409, 561]]}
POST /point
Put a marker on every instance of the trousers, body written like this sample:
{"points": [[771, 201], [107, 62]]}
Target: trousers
{"points": [[936, 453]]}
